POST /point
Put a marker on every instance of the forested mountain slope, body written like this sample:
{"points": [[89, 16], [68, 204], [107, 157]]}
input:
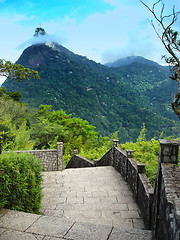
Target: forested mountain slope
{"points": [[134, 59], [111, 99], [152, 82]]}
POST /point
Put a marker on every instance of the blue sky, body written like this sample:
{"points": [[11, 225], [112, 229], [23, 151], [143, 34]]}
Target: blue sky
{"points": [[102, 30], [54, 9]]}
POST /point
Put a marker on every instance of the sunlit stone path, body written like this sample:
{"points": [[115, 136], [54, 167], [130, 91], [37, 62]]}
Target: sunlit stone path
{"points": [[85, 203]]}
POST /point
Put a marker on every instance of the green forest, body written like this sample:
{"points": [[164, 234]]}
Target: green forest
{"points": [[23, 129]]}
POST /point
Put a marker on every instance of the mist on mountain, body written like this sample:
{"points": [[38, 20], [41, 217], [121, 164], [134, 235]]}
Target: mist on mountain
{"points": [[41, 37]]}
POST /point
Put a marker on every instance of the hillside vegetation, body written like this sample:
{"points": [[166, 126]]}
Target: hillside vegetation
{"points": [[111, 99]]}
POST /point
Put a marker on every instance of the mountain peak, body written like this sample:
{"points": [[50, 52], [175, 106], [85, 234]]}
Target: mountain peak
{"points": [[132, 59], [41, 38]]}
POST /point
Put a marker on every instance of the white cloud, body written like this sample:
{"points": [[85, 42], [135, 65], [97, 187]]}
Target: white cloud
{"points": [[118, 33], [40, 40]]}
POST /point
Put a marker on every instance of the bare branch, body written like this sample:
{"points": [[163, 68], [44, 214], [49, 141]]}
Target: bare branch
{"points": [[162, 10], [169, 39]]}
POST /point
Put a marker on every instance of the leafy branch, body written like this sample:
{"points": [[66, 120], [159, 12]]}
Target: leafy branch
{"points": [[16, 71]]}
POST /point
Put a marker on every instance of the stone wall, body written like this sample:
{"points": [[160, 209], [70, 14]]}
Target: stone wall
{"points": [[106, 160], [51, 159], [166, 202], [78, 161]]}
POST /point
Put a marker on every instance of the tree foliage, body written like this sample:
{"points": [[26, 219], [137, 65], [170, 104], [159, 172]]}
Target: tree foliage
{"points": [[145, 152], [16, 71], [14, 122], [49, 127], [170, 38]]}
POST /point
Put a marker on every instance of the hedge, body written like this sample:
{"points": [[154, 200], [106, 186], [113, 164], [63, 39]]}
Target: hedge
{"points": [[20, 182]]}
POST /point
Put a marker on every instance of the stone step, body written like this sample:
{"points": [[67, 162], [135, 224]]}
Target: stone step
{"points": [[16, 225]]}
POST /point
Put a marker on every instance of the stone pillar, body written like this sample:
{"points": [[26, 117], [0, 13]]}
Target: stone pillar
{"points": [[129, 153], [141, 167], [115, 142], [112, 157], [60, 156], [75, 151], [95, 161], [168, 151]]}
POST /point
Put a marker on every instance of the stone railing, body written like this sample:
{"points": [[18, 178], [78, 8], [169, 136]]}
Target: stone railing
{"points": [[51, 159]]}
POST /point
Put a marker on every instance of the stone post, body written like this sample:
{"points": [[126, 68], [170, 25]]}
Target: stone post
{"points": [[115, 142], [129, 153], [168, 151], [95, 161], [60, 156], [114, 145], [141, 167], [75, 151]]}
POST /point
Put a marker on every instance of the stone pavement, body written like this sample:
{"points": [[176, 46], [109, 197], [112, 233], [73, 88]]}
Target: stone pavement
{"points": [[82, 204], [94, 195]]}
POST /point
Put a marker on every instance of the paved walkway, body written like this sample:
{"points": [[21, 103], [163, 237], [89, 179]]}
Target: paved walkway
{"points": [[95, 195], [86, 203]]}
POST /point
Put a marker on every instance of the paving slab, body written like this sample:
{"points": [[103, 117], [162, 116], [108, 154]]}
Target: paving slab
{"points": [[52, 238], [132, 234], [53, 228], [138, 224], [17, 235], [17, 220], [87, 231], [3, 211], [50, 226], [2, 230]]}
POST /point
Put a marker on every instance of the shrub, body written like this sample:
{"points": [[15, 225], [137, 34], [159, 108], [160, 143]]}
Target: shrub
{"points": [[20, 182]]}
